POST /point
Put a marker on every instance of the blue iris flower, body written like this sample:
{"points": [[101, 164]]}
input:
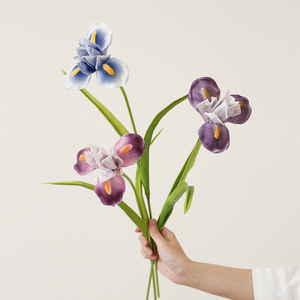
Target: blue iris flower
{"points": [[93, 58]]}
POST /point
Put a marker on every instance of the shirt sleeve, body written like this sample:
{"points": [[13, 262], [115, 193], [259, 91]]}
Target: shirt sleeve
{"points": [[276, 283]]}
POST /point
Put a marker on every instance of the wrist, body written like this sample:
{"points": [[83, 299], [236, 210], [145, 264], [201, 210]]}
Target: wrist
{"points": [[185, 274]]}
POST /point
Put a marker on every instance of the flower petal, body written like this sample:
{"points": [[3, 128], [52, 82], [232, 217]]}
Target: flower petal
{"points": [[75, 79], [201, 89], [113, 74], [100, 34], [111, 191], [82, 167], [246, 110], [130, 148], [214, 137]]}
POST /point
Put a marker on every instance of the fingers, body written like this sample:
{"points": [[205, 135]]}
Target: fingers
{"points": [[148, 253], [155, 234], [143, 240]]}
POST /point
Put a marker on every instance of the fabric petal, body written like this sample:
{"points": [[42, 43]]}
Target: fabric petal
{"points": [[105, 176], [214, 137], [109, 163], [113, 74], [82, 167], [201, 89], [100, 34], [130, 148], [111, 191], [246, 110], [85, 68], [75, 79]]}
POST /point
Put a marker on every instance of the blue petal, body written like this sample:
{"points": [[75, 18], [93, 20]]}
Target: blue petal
{"points": [[115, 79], [77, 81], [85, 68], [102, 35], [101, 59], [81, 51]]}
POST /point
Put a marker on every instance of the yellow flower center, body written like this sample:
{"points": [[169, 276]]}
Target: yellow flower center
{"points": [[107, 187], [108, 69], [126, 149], [217, 132], [206, 93]]}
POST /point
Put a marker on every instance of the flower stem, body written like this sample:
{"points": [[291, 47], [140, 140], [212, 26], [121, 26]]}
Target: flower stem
{"points": [[149, 281], [153, 277], [129, 109], [139, 201]]}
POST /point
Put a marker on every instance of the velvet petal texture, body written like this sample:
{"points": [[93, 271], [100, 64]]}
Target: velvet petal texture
{"points": [[75, 79], [246, 110], [214, 137], [113, 74], [111, 191], [129, 148], [82, 167], [201, 89], [100, 34]]}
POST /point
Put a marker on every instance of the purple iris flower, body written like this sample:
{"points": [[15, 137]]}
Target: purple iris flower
{"points": [[92, 55], [204, 96], [110, 185]]}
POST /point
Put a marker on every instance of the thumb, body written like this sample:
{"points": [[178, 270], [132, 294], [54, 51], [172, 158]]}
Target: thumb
{"points": [[154, 232]]}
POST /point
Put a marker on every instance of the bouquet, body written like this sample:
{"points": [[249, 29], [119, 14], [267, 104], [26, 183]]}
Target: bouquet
{"points": [[133, 149]]}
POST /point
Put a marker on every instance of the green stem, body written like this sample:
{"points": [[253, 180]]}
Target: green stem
{"points": [[153, 277], [149, 281], [140, 202], [129, 109]]}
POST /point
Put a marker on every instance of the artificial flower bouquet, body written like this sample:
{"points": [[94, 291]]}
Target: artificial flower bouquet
{"points": [[131, 148]]}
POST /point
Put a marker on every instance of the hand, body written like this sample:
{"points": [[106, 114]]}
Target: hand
{"points": [[171, 259]]}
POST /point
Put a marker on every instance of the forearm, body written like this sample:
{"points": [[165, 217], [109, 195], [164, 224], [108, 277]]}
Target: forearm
{"points": [[222, 281]]}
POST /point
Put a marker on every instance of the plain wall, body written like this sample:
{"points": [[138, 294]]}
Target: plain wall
{"points": [[61, 242]]}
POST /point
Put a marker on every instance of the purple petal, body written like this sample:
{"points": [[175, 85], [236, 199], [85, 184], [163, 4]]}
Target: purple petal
{"points": [[245, 110], [203, 88], [130, 148], [214, 137], [111, 191], [82, 167]]}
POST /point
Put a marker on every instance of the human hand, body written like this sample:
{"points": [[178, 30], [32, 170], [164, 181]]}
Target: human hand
{"points": [[171, 259]]}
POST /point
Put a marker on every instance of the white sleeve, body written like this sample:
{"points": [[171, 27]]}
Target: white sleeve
{"points": [[276, 283]]}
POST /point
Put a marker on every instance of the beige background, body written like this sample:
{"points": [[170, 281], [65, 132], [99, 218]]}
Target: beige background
{"points": [[61, 242]]}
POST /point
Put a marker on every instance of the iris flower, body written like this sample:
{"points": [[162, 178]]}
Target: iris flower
{"points": [[110, 185], [204, 96], [93, 58]]}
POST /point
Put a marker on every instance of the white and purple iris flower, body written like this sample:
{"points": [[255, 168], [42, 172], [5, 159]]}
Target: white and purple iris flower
{"points": [[93, 58], [204, 96], [110, 185]]}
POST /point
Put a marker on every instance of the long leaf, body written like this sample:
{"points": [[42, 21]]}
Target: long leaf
{"points": [[167, 209], [140, 223], [116, 124], [148, 138], [189, 163]]}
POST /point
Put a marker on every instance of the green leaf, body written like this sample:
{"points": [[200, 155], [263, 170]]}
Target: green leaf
{"points": [[167, 209], [189, 163], [137, 220], [148, 138], [188, 199], [77, 183], [140, 223], [116, 124], [156, 136]]}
